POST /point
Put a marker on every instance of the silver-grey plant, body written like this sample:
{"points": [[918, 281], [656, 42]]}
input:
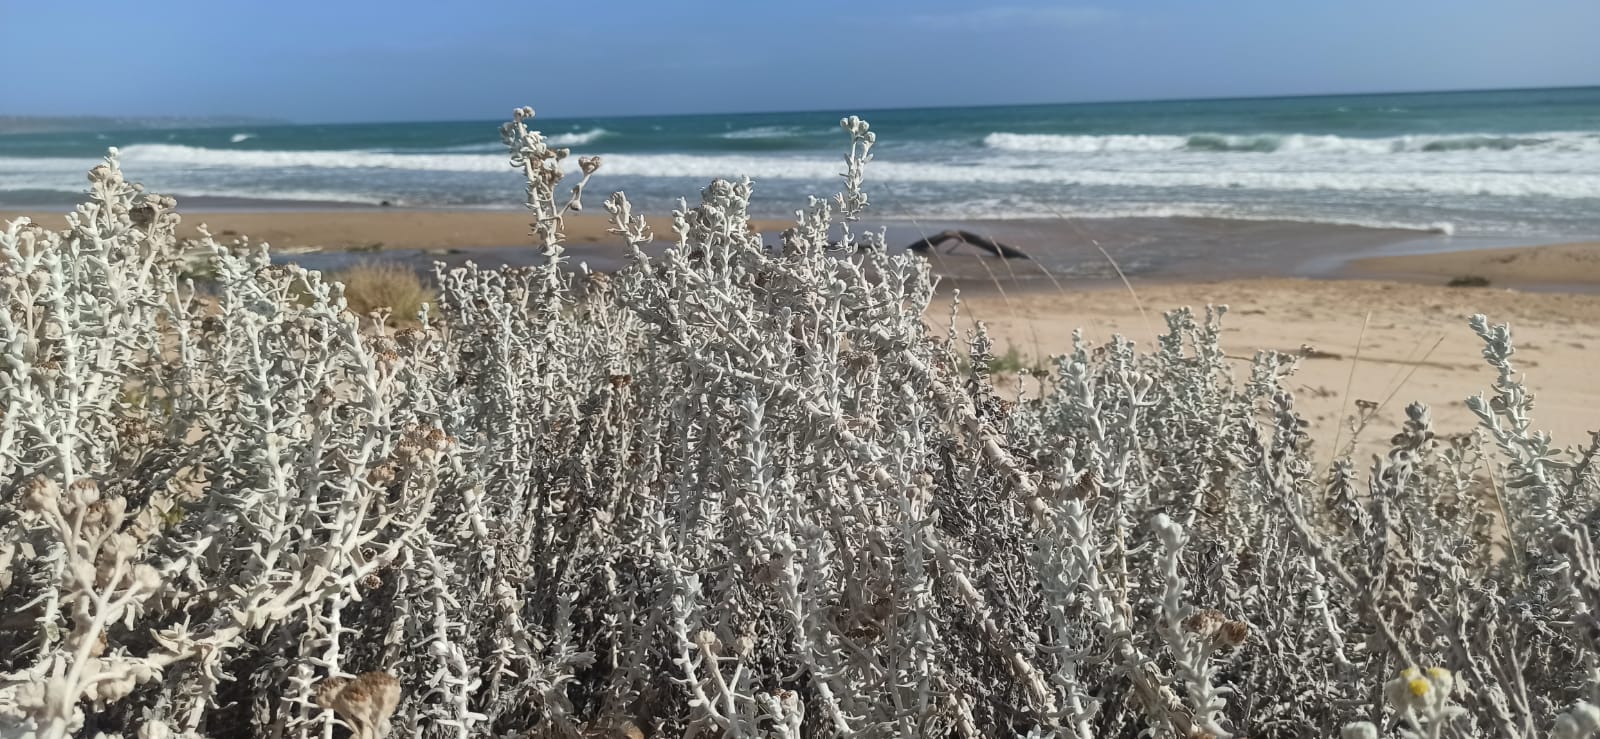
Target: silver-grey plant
{"points": [[738, 489]]}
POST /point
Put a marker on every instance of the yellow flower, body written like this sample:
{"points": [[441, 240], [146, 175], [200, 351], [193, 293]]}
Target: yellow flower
{"points": [[1419, 686], [1410, 673]]}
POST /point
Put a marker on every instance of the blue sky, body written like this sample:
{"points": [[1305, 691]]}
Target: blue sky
{"points": [[358, 60]]}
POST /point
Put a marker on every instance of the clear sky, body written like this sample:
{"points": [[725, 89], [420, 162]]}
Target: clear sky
{"points": [[360, 60]]}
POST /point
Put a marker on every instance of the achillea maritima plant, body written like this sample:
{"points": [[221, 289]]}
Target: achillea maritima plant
{"points": [[733, 491]]}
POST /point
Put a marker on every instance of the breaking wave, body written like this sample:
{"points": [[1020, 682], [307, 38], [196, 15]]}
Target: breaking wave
{"points": [[154, 160], [764, 132], [1291, 143], [576, 139], [997, 209], [169, 155]]}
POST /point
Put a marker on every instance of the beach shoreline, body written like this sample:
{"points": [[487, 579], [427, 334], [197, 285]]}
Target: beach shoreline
{"points": [[1372, 303], [1072, 251]]}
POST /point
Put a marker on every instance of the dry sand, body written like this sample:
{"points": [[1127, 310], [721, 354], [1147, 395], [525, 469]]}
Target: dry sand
{"points": [[1540, 267], [1400, 354]]}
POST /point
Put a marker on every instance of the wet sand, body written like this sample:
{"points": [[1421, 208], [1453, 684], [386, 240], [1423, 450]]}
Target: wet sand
{"points": [[1160, 248], [1153, 248], [1059, 252]]}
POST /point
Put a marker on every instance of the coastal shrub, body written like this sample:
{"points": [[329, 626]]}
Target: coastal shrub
{"points": [[733, 490]]}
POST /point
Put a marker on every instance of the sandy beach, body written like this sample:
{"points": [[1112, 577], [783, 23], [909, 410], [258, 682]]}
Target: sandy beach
{"points": [[1388, 317], [1540, 267], [1405, 342]]}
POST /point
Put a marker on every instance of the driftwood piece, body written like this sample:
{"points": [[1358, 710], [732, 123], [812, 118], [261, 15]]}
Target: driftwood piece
{"points": [[967, 237]]}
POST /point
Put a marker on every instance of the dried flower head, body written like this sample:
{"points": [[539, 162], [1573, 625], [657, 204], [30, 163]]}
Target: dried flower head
{"points": [[1233, 633], [365, 702]]}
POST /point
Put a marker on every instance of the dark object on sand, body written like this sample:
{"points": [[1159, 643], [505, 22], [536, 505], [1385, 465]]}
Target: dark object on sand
{"points": [[967, 237], [923, 246], [384, 203], [1468, 281]]}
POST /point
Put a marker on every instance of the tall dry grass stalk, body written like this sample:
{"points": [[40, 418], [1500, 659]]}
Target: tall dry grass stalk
{"points": [[390, 288]]}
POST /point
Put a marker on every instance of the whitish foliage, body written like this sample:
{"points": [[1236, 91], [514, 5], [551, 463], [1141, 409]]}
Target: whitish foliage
{"points": [[733, 491]]}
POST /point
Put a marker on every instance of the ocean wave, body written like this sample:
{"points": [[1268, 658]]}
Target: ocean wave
{"points": [[580, 138], [240, 137], [1467, 183], [305, 196], [241, 193], [1555, 177], [763, 132], [1010, 210], [168, 155], [1290, 143], [487, 146], [1084, 144], [969, 207]]}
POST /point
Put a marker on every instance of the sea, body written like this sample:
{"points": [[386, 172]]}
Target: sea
{"points": [[1510, 163]]}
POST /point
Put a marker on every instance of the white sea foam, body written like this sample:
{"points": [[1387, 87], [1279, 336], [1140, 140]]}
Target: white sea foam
{"points": [[485, 147], [308, 196], [575, 139], [224, 191], [1585, 141], [168, 155], [1081, 144], [1556, 184], [1459, 175], [1008, 209], [763, 132], [977, 207], [241, 137]]}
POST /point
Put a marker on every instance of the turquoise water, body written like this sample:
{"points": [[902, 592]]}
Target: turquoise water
{"points": [[1523, 162]]}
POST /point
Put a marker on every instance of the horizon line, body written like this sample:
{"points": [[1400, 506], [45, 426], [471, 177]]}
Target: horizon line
{"points": [[270, 120], [1101, 101]]}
